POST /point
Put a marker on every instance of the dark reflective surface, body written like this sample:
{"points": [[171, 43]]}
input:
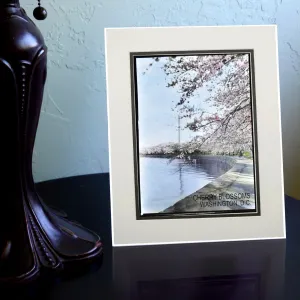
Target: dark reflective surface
{"points": [[238, 270]]}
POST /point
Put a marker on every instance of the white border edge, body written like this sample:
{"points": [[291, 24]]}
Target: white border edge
{"points": [[198, 242], [189, 26], [109, 135], [280, 131]]}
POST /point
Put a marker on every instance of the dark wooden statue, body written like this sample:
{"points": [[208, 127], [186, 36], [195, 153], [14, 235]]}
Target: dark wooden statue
{"points": [[34, 239]]}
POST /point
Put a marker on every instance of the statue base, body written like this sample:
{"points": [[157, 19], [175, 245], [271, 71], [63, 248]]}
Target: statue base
{"points": [[58, 248]]}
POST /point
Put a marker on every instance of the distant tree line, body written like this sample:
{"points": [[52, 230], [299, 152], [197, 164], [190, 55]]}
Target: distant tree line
{"points": [[184, 150]]}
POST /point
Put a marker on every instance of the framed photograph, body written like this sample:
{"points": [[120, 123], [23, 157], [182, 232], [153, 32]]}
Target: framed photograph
{"points": [[194, 134]]}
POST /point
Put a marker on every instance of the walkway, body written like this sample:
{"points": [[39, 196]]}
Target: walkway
{"points": [[234, 190]]}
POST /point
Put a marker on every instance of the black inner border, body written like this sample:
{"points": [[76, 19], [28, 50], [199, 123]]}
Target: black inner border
{"points": [[134, 97]]}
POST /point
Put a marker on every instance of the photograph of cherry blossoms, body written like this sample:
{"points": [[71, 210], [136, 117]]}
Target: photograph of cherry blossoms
{"points": [[195, 133]]}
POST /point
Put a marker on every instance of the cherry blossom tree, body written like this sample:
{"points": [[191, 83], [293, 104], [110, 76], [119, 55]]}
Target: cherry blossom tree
{"points": [[226, 127]]}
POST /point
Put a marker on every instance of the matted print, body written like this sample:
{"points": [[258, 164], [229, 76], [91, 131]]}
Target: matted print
{"points": [[195, 134]]}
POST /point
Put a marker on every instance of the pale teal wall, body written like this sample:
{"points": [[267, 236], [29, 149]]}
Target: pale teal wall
{"points": [[72, 134]]}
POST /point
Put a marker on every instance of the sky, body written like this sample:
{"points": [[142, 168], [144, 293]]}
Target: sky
{"points": [[157, 123]]}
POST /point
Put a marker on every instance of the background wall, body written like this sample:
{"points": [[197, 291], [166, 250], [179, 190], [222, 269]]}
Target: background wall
{"points": [[72, 133]]}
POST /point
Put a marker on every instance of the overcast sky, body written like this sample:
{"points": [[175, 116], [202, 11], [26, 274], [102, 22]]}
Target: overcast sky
{"points": [[157, 122]]}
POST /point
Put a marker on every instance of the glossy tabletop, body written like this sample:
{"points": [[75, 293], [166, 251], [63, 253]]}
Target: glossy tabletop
{"points": [[247, 270]]}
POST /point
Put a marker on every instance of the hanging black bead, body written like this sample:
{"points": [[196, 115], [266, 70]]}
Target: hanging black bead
{"points": [[39, 12]]}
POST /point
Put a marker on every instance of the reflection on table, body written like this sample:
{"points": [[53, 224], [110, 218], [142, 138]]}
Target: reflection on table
{"points": [[247, 270]]}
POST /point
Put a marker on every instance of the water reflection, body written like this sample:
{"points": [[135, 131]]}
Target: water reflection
{"points": [[163, 182]]}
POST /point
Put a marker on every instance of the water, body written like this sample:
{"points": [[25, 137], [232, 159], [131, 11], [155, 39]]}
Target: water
{"points": [[164, 182]]}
